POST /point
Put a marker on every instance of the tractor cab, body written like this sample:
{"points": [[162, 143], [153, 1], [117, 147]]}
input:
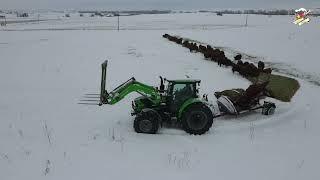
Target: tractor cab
{"points": [[179, 91]]}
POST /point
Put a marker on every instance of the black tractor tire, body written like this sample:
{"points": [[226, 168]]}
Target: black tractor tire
{"points": [[147, 122], [197, 119], [268, 108]]}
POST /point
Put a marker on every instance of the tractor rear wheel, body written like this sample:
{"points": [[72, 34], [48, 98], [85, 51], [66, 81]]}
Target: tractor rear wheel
{"points": [[146, 122], [268, 108], [197, 119]]}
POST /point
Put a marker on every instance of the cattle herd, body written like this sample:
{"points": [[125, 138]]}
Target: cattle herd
{"points": [[245, 69]]}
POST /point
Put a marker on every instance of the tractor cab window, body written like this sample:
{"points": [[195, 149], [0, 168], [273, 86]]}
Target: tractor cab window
{"points": [[180, 93]]}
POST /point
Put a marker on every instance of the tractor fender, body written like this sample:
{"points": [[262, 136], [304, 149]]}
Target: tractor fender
{"points": [[189, 102]]}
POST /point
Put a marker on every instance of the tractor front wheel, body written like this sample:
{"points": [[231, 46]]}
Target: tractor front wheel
{"points": [[147, 122], [197, 119]]}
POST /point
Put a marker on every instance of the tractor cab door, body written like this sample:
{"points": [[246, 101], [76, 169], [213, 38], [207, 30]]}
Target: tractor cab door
{"points": [[178, 94]]}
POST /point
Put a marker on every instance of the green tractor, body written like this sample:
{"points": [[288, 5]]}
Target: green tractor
{"points": [[178, 101]]}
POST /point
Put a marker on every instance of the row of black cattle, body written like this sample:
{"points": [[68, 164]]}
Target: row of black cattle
{"points": [[245, 69]]}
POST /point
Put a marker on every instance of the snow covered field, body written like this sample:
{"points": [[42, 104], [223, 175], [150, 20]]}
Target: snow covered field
{"points": [[46, 67]]}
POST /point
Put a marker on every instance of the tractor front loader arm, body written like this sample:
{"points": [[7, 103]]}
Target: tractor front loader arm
{"points": [[124, 89]]}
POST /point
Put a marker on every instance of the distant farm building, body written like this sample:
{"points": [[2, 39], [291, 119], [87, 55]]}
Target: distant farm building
{"points": [[22, 15], [4, 21]]}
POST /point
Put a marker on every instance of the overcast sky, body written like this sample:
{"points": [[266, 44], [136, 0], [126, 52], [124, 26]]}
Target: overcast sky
{"points": [[155, 4]]}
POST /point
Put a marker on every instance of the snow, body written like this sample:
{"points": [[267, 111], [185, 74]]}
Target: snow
{"points": [[46, 67]]}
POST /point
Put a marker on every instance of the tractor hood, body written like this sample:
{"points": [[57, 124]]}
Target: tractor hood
{"points": [[140, 103]]}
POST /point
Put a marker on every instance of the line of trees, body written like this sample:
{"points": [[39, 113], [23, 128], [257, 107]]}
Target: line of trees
{"points": [[264, 12]]}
